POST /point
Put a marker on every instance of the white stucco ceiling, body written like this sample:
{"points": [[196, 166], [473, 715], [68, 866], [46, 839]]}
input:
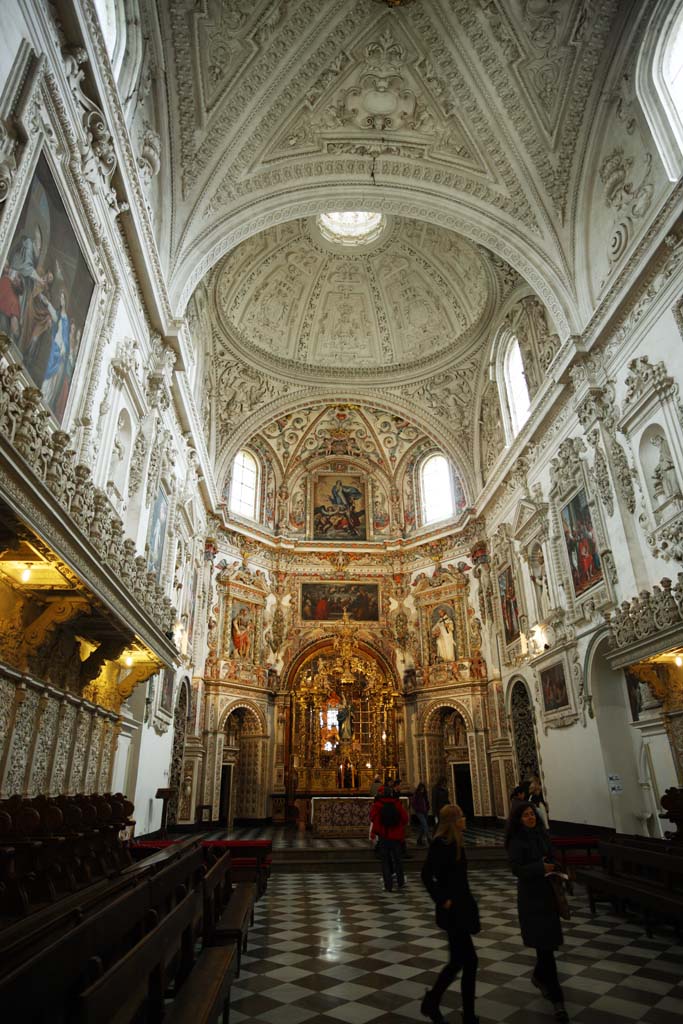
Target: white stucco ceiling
{"points": [[415, 292]]}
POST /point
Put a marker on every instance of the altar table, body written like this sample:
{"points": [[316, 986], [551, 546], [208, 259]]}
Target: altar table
{"points": [[343, 815]]}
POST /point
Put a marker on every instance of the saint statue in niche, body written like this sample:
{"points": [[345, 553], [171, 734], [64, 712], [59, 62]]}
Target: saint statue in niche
{"points": [[443, 632], [345, 716], [665, 484]]}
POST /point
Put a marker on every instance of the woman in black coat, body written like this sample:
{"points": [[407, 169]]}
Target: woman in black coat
{"points": [[444, 875], [530, 856]]}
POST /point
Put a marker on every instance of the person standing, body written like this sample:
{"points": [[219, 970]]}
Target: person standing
{"points": [[444, 875], [388, 819], [439, 796], [538, 801], [530, 857], [376, 785], [419, 804]]}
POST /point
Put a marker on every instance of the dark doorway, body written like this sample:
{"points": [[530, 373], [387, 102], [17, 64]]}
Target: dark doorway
{"points": [[462, 784], [226, 794]]}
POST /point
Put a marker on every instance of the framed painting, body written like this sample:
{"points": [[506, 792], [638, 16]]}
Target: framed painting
{"points": [[327, 602], [46, 290], [339, 509], [554, 688], [241, 630], [443, 632], [157, 532], [508, 605], [166, 691], [581, 543]]}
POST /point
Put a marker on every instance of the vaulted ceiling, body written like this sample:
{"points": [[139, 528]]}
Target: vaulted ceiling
{"points": [[472, 114]]}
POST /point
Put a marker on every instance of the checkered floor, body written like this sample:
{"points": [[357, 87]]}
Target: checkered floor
{"points": [[338, 948], [292, 839]]}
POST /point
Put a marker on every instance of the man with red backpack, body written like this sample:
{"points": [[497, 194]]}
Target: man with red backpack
{"points": [[389, 819]]}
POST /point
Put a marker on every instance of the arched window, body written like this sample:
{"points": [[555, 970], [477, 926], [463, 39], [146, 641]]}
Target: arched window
{"points": [[659, 83], [244, 485], [112, 18], [436, 484], [516, 388]]}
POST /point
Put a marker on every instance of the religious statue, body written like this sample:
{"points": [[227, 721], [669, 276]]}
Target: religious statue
{"points": [[345, 716], [241, 633], [664, 473], [443, 631]]}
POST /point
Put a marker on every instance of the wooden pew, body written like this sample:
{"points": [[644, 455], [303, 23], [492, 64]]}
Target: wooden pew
{"points": [[56, 971], [638, 876], [137, 982]]}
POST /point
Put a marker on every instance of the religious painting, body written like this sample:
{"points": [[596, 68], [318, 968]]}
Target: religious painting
{"points": [[157, 533], [325, 602], [45, 291], [166, 694], [554, 688], [241, 631], [633, 691], [339, 507], [508, 605], [443, 632], [581, 542]]}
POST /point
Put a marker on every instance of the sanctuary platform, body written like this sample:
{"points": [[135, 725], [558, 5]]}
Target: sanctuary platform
{"points": [[297, 851]]}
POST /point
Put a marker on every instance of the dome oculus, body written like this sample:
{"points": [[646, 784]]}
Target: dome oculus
{"points": [[351, 227]]}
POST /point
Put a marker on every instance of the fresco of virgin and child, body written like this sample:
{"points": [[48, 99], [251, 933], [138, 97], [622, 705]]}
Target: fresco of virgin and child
{"points": [[45, 291]]}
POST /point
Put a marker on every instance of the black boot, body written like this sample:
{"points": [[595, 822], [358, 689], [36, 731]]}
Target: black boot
{"points": [[560, 1012], [430, 1008]]}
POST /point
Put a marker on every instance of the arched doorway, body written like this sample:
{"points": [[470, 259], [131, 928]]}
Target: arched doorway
{"points": [[243, 770], [446, 754], [343, 721], [523, 731], [175, 775]]}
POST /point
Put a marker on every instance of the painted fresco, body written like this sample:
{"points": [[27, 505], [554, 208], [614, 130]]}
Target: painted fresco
{"points": [[46, 290], [581, 543], [508, 605], [324, 602], [339, 507]]}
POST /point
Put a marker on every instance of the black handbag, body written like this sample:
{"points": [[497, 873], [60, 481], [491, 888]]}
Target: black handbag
{"points": [[560, 896]]}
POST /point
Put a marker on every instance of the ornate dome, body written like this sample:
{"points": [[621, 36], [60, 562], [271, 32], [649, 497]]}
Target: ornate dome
{"points": [[405, 293]]}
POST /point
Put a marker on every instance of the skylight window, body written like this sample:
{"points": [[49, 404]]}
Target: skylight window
{"points": [[351, 227]]}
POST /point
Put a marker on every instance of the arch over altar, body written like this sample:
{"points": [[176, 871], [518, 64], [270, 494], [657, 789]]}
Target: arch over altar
{"points": [[343, 715]]}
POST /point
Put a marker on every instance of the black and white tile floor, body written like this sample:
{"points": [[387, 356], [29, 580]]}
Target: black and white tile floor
{"points": [[329, 947], [292, 839]]}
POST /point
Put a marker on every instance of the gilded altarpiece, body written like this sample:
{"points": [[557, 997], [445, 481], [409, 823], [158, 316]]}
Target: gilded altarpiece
{"points": [[341, 721]]}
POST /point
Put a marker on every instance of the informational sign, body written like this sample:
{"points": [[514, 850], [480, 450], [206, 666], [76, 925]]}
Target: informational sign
{"points": [[615, 784]]}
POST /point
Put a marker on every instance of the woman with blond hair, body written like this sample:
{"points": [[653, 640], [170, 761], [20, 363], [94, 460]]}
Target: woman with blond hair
{"points": [[444, 875]]}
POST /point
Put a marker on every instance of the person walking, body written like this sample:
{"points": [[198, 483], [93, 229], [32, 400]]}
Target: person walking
{"points": [[419, 803], [388, 819], [530, 856], [440, 796], [444, 875]]}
